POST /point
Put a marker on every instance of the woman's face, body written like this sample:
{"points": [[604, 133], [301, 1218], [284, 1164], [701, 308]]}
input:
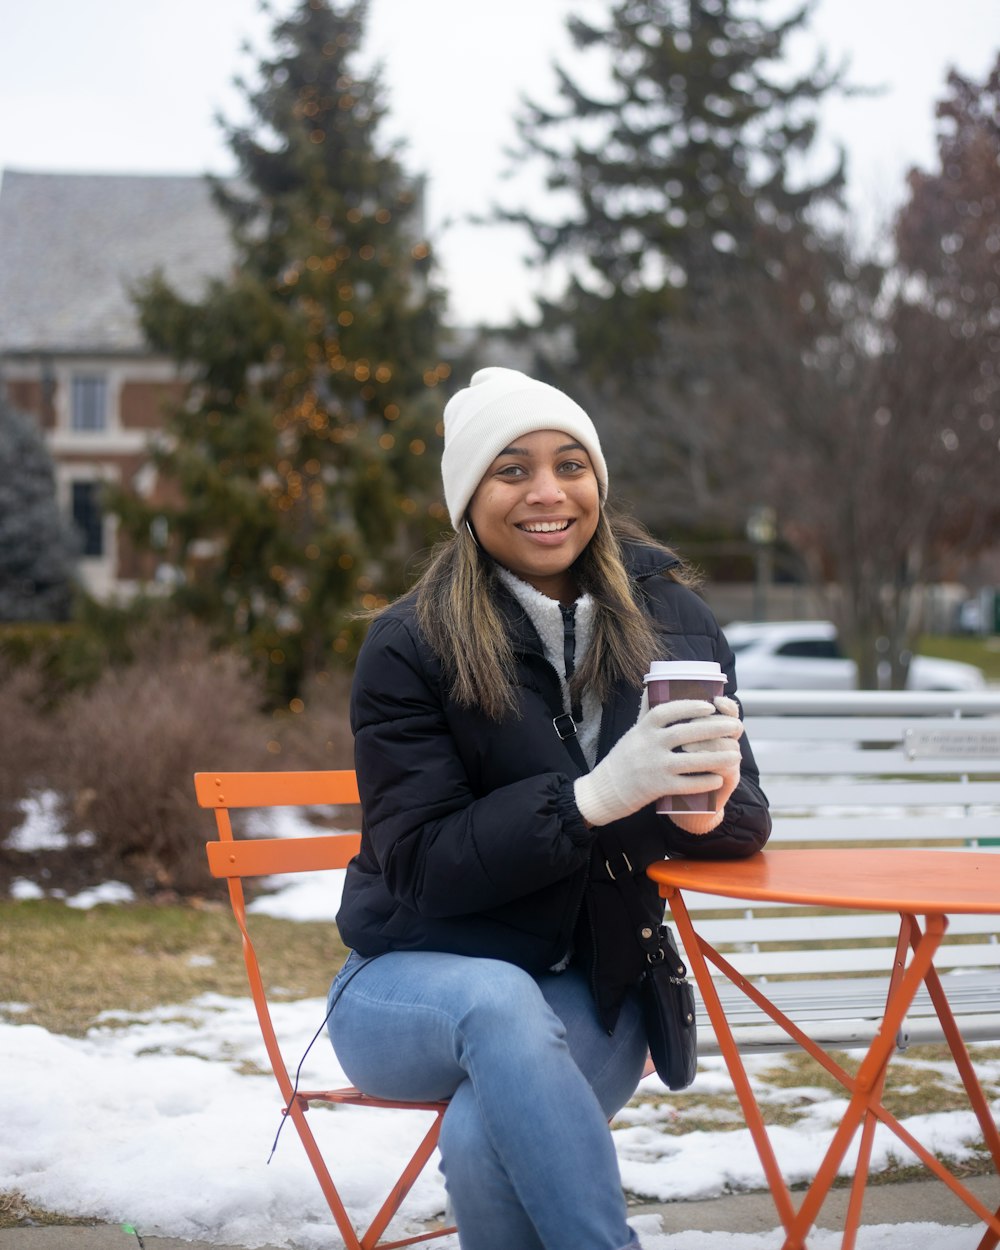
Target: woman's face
{"points": [[537, 508]]}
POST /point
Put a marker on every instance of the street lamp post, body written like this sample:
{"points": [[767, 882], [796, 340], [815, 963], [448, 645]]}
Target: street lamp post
{"points": [[761, 530]]}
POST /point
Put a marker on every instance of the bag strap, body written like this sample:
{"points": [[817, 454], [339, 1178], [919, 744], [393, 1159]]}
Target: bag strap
{"points": [[619, 869], [564, 725], [616, 862]]}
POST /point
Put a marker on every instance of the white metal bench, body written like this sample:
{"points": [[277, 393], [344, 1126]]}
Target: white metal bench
{"points": [[844, 769]]}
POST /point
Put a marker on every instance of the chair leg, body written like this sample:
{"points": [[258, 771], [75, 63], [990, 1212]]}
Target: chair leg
{"points": [[403, 1186], [370, 1239], [298, 1113]]}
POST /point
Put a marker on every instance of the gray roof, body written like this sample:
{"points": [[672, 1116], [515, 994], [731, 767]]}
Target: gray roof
{"points": [[71, 245]]}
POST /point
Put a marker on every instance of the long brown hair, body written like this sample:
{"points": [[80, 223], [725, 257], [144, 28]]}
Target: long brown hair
{"points": [[458, 612]]}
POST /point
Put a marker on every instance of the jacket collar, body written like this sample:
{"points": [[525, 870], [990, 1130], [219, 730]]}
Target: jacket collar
{"points": [[524, 635], [643, 560]]}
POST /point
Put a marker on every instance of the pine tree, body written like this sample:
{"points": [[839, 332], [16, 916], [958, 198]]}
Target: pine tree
{"points": [[689, 232], [37, 549], [299, 449]]}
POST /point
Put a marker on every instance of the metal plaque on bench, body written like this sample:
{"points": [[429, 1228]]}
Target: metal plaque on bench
{"points": [[960, 742]]}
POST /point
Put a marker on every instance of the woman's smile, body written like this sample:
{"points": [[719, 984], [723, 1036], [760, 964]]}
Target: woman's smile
{"points": [[544, 528], [544, 536]]}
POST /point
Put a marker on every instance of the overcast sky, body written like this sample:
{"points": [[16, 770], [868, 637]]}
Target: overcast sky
{"points": [[133, 86]]}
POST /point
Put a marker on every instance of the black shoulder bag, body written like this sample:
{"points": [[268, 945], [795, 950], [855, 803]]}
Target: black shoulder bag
{"points": [[668, 1009], [669, 1015]]}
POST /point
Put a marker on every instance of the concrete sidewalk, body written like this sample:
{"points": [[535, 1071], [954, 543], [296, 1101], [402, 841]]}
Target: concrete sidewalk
{"points": [[923, 1202]]}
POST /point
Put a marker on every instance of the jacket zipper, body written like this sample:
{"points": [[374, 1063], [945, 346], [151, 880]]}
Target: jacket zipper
{"points": [[569, 656]]}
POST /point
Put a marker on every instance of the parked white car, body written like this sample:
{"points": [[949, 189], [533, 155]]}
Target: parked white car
{"points": [[805, 655]]}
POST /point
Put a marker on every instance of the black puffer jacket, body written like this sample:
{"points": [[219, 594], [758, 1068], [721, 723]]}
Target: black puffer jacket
{"points": [[472, 842]]}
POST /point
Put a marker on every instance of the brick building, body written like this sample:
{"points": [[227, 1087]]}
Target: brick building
{"points": [[71, 351]]}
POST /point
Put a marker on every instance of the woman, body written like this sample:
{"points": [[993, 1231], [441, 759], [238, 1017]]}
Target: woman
{"points": [[499, 723]]}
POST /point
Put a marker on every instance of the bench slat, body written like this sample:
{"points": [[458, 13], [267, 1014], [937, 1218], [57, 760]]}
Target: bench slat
{"points": [[842, 926], [842, 960], [766, 1038], [789, 761], [870, 703], [861, 728], [839, 791], [866, 995], [846, 1012], [912, 826]]}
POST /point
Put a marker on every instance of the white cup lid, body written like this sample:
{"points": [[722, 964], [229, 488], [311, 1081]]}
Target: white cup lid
{"points": [[680, 670]]}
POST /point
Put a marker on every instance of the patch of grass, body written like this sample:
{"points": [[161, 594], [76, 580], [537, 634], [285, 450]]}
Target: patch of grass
{"points": [[983, 652], [66, 966], [796, 1069], [711, 1113], [921, 1091], [912, 1086], [16, 1210]]}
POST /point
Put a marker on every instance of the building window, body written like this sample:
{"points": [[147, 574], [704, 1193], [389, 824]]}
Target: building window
{"points": [[88, 517], [89, 402]]}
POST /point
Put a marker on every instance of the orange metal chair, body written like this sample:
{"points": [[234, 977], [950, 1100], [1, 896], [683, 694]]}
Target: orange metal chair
{"points": [[234, 859]]}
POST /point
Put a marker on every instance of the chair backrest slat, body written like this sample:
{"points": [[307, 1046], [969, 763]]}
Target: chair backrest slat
{"points": [[278, 789], [263, 857]]}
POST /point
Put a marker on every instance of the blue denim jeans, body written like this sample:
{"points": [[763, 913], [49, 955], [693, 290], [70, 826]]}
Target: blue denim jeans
{"points": [[533, 1079]]}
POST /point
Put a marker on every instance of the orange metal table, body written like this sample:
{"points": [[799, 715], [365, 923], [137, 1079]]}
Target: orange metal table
{"points": [[923, 884]]}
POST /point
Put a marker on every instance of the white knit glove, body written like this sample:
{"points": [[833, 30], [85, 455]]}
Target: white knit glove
{"points": [[705, 822], [667, 751]]}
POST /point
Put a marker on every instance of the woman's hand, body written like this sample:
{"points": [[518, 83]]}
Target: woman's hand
{"points": [[705, 822], [684, 747]]}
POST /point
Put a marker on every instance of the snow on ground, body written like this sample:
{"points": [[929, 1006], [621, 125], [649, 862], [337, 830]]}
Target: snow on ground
{"points": [[165, 1119], [154, 1119]]}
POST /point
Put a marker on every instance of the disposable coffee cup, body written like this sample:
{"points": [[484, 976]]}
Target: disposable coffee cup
{"points": [[670, 680]]}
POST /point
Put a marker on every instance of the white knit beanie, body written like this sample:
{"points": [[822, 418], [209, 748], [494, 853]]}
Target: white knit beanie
{"points": [[498, 406]]}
